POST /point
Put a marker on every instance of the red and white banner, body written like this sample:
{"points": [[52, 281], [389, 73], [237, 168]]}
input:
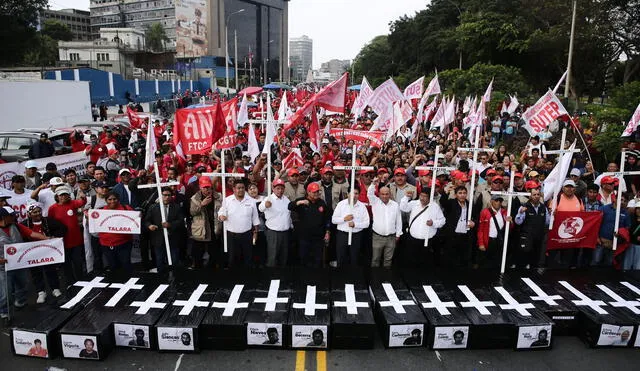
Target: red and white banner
{"points": [[361, 100], [33, 254], [633, 123], [197, 129], [75, 161], [114, 221], [135, 120], [384, 96], [359, 136], [293, 160], [414, 91], [547, 109], [574, 230]]}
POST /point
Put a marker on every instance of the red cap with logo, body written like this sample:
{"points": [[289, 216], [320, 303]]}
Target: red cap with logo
{"points": [[278, 182], [204, 182], [292, 172], [531, 184], [313, 187], [400, 171], [326, 170]]}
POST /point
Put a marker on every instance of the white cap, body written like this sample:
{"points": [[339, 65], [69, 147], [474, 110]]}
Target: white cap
{"points": [[125, 170], [569, 182], [63, 190], [56, 180], [575, 172], [633, 203], [29, 164]]}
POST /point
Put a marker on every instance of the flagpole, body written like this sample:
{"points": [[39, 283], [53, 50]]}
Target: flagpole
{"points": [[163, 216], [618, 202], [353, 184], [570, 59], [224, 195], [268, 169]]}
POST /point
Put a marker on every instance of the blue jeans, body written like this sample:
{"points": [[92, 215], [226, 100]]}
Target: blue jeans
{"points": [[119, 257], [161, 255], [602, 256], [631, 258], [17, 284]]}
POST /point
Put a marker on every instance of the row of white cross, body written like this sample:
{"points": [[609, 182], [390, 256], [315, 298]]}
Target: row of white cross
{"points": [[351, 303]]}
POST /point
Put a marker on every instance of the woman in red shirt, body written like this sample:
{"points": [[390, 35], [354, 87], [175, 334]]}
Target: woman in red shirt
{"points": [[116, 246]]}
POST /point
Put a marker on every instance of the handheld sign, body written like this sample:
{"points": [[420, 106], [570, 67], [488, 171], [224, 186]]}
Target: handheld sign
{"points": [[34, 254], [114, 221]]}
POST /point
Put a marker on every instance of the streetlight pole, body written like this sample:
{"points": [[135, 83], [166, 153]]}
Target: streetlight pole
{"points": [[573, 29], [235, 57], [460, 20], [226, 48]]}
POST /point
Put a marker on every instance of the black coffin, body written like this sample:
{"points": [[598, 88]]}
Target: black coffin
{"points": [[269, 309], [132, 330], [178, 327], [547, 297], [310, 315], [224, 326], [352, 323], [398, 316], [448, 325]]}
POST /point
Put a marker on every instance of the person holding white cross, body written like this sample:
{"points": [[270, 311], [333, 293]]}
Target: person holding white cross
{"points": [[350, 219], [240, 215], [278, 224], [491, 233], [425, 218]]}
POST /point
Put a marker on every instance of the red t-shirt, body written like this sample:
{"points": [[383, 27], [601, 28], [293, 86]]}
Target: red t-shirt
{"points": [[66, 214], [96, 152], [115, 239], [25, 232]]}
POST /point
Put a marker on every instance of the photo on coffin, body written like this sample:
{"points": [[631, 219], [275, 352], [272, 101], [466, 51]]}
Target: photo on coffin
{"points": [[33, 344], [406, 335], [264, 334], [616, 336], [79, 346], [131, 335], [308, 336], [451, 337], [534, 337], [172, 338]]}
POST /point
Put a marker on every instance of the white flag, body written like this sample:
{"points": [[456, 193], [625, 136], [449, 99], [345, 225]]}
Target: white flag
{"points": [[503, 109], [284, 112], [252, 149], [271, 127], [150, 148], [552, 184], [362, 98], [513, 105], [396, 122], [243, 114], [434, 86], [633, 123], [466, 107], [414, 90], [487, 94], [450, 111], [438, 119]]}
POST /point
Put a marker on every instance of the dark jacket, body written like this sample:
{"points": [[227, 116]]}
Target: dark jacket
{"points": [[41, 149], [315, 218], [124, 197], [175, 218], [452, 212]]}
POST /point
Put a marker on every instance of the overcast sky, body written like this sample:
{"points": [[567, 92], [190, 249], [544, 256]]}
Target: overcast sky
{"points": [[339, 28]]}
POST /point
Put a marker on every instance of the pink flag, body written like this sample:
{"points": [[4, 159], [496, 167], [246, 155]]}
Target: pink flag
{"points": [[546, 110], [633, 123], [384, 96], [414, 90]]}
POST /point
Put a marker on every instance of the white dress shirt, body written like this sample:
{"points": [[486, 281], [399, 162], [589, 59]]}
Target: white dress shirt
{"points": [[419, 229], [387, 219], [241, 215], [493, 231], [278, 216], [47, 198], [359, 212]]}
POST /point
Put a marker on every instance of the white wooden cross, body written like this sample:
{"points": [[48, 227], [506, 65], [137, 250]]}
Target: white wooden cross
{"points": [[353, 169], [158, 186], [475, 149], [619, 174], [224, 175], [434, 169], [562, 151], [510, 194]]}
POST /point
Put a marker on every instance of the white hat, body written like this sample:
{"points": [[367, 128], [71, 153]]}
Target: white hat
{"points": [[29, 164], [56, 180], [125, 170], [569, 182], [575, 172], [633, 203], [63, 190]]}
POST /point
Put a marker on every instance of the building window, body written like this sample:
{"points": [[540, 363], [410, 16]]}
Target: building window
{"points": [[74, 56]]}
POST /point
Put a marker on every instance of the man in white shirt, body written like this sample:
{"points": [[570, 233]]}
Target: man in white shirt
{"points": [[45, 192], [422, 224], [240, 215], [19, 198], [278, 223], [387, 224], [348, 218]]}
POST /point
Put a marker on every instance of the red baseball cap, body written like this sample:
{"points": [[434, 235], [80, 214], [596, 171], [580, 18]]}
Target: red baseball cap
{"points": [[292, 172], [112, 151], [383, 170], [518, 175], [326, 170], [531, 184], [609, 180], [365, 172], [490, 172], [400, 171], [278, 182], [313, 187], [204, 181], [424, 172]]}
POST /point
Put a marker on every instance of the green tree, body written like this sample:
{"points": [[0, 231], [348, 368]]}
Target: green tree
{"points": [[626, 96], [156, 36], [57, 30], [18, 19], [43, 52], [474, 81]]}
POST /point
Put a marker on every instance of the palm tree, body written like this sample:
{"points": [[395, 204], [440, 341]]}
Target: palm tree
{"points": [[156, 37]]}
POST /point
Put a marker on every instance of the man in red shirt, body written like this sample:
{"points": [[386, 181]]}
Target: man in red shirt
{"points": [[65, 211], [95, 150]]}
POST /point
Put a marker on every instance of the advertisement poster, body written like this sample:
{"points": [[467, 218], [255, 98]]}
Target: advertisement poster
{"points": [[191, 27], [269, 334], [614, 335], [173, 338], [534, 337], [32, 344], [33, 254], [79, 346], [406, 335], [308, 336], [455, 337], [131, 335]]}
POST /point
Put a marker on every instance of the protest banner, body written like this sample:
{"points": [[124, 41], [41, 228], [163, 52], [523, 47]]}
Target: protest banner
{"points": [[75, 161], [197, 129], [574, 230], [546, 110], [359, 136], [34, 254], [114, 221], [414, 90], [384, 96]]}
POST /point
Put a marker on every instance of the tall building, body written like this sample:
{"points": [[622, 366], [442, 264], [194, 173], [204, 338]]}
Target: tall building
{"points": [[301, 57], [77, 20], [335, 68]]}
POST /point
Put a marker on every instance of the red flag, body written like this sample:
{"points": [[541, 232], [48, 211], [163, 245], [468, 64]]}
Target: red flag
{"points": [[197, 129], [332, 96], [574, 230], [294, 159], [315, 135], [134, 120]]}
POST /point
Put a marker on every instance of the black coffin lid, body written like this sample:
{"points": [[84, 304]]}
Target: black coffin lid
{"points": [[413, 313], [320, 280], [351, 331]]}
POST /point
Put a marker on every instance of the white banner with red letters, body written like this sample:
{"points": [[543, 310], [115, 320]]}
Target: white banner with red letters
{"points": [[546, 110], [34, 254], [384, 96], [414, 90], [75, 161], [114, 221], [359, 136]]}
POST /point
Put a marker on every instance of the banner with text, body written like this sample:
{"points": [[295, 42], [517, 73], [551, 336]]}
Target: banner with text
{"points": [[75, 161], [34, 254], [546, 110], [114, 221], [359, 136], [574, 230]]}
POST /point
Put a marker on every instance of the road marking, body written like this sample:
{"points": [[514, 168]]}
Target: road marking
{"points": [[321, 361], [438, 355], [300, 355], [178, 362]]}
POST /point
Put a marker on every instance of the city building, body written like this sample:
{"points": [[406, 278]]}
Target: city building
{"points": [[113, 52], [77, 21], [301, 57], [335, 68]]}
